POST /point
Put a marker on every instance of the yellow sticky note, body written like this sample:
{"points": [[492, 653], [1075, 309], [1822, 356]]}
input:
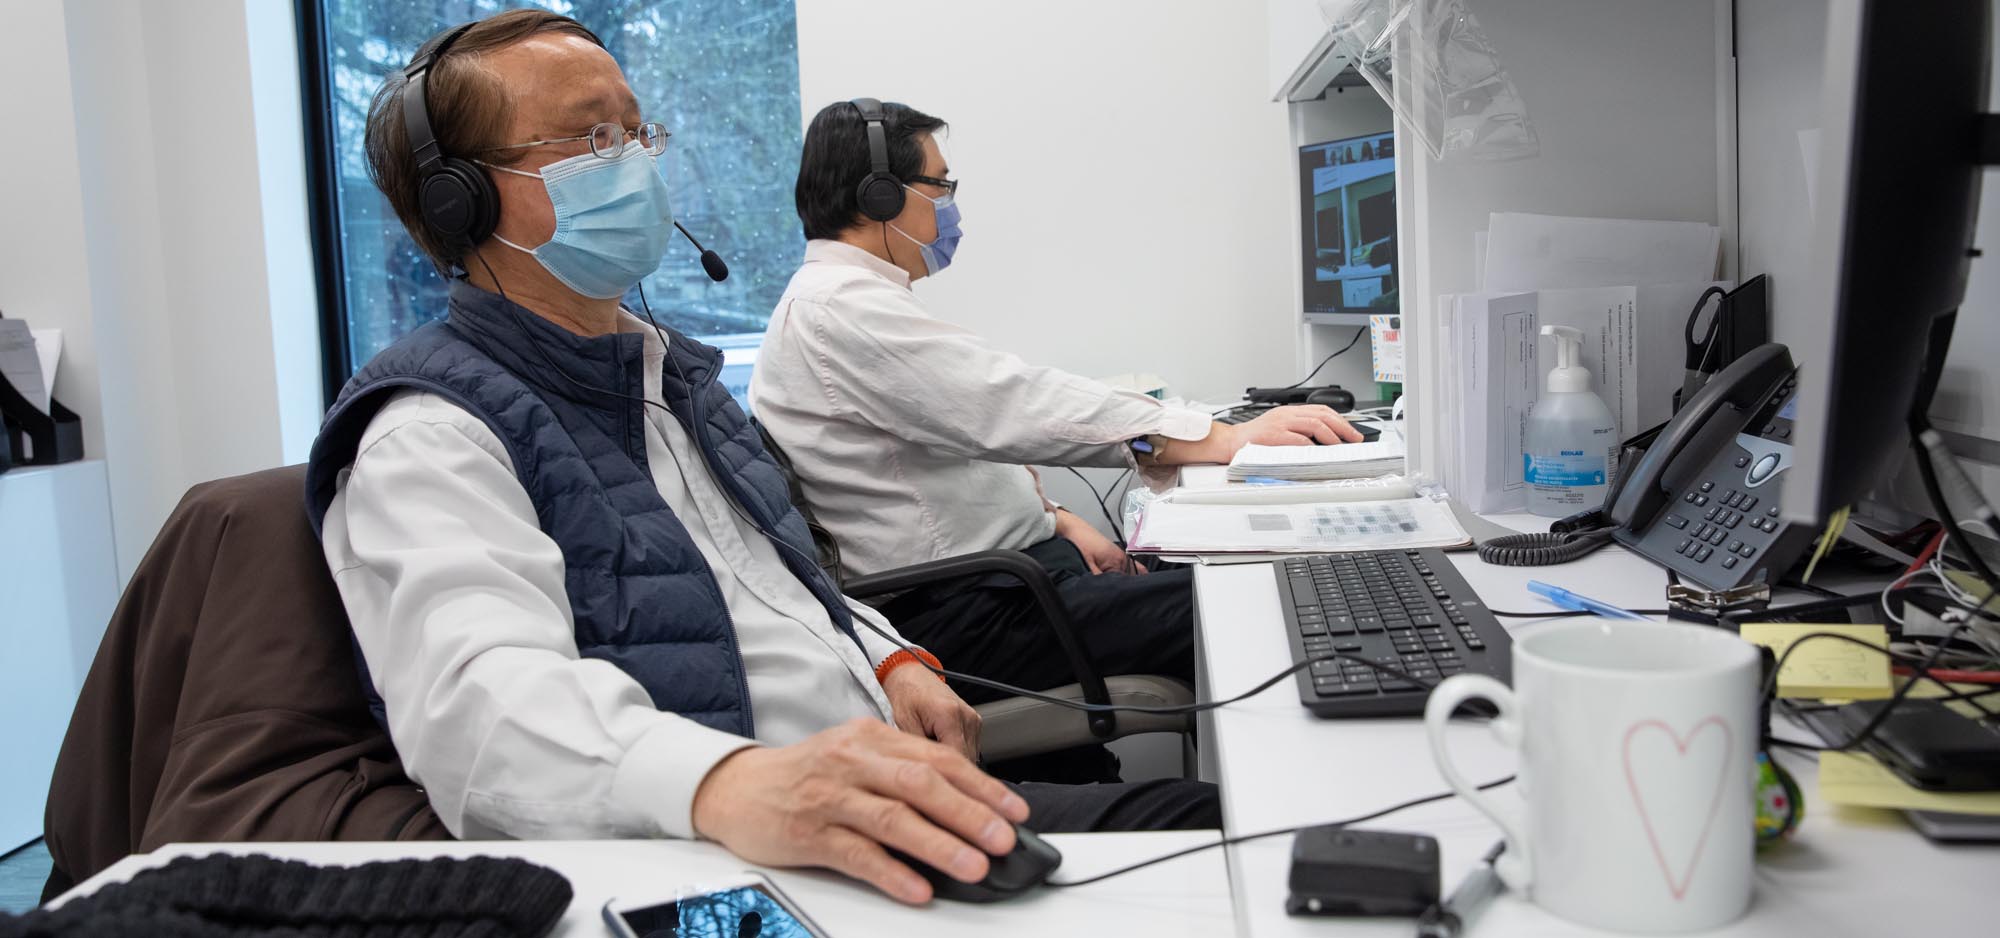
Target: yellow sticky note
{"points": [[1827, 667], [1854, 779]]}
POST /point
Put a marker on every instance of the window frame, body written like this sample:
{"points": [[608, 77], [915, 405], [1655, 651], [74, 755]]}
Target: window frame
{"points": [[323, 200]]}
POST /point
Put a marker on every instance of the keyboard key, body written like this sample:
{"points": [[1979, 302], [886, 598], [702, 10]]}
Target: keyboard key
{"points": [[1746, 503], [1708, 486], [1678, 522], [1347, 647], [1735, 546], [1345, 690], [1728, 563], [1397, 685], [1702, 555]]}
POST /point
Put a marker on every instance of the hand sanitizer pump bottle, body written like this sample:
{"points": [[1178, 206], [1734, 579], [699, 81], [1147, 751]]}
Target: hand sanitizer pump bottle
{"points": [[1572, 439]]}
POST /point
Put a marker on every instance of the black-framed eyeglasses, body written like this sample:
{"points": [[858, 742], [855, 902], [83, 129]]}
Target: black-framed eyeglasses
{"points": [[607, 140], [950, 186]]}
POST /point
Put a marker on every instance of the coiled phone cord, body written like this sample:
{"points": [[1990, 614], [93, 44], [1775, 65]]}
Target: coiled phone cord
{"points": [[1571, 538]]}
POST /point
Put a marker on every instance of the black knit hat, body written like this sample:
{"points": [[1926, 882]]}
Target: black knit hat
{"points": [[220, 895]]}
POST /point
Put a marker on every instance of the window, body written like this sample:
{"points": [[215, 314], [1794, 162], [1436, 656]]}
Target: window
{"points": [[723, 75]]}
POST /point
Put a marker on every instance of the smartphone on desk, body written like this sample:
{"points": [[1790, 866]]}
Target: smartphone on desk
{"points": [[746, 906]]}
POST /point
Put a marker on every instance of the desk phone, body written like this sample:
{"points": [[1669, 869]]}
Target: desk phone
{"points": [[1703, 501]]}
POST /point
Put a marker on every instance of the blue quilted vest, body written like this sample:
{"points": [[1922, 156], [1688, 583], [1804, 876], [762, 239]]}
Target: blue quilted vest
{"points": [[643, 597]]}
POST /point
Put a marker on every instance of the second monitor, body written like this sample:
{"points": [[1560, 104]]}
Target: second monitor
{"points": [[1347, 207]]}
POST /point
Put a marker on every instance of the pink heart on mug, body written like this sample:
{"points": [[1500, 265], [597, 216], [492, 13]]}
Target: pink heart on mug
{"points": [[1679, 885]]}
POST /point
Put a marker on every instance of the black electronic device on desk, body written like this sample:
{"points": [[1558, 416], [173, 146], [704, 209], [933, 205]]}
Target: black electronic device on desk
{"points": [[1703, 501], [1408, 609]]}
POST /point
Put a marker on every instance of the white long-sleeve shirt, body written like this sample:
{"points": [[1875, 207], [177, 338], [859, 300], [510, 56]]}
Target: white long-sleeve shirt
{"points": [[908, 433], [457, 600]]}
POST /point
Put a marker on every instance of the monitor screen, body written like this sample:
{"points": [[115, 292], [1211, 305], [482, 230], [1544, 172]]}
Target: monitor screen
{"points": [[1347, 207]]}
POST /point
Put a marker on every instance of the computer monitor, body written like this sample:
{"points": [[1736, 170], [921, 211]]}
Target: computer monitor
{"points": [[1347, 230], [1903, 106]]}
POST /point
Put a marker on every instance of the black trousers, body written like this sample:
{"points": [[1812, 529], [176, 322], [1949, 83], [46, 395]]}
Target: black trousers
{"points": [[990, 626], [1168, 804]]}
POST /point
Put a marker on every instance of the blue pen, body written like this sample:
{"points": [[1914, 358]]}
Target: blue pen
{"points": [[1578, 602]]}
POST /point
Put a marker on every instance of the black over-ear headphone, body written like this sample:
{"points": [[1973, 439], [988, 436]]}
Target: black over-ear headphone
{"points": [[455, 199], [881, 194]]}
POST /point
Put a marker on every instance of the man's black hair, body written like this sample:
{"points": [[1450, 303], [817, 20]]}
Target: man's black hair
{"points": [[835, 160]]}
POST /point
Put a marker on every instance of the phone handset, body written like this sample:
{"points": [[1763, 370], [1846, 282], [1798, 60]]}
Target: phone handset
{"points": [[1714, 416]]}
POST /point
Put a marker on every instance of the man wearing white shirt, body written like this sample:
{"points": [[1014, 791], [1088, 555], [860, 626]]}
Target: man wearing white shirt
{"points": [[911, 436], [584, 604]]}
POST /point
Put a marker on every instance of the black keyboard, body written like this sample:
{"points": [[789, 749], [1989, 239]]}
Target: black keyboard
{"points": [[1405, 608], [1244, 413]]}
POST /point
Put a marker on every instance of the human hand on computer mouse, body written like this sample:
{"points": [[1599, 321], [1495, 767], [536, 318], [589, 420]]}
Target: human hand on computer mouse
{"points": [[1296, 425], [838, 797]]}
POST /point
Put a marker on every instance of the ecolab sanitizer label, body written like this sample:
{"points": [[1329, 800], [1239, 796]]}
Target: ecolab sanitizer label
{"points": [[1571, 468]]}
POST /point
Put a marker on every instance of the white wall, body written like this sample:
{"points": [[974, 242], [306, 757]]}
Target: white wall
{"points": [[43, 274], [146, 191], [1128, 188], [1623, 96]]}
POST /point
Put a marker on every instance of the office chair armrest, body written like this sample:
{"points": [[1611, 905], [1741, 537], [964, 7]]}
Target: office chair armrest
{"points": [[1019, 566]]}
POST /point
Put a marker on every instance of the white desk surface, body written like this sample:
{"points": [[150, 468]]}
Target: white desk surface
{"points": [[1858, 873], [1184, 897]]}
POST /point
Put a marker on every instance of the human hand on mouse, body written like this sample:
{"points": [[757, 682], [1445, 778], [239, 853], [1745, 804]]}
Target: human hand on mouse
{"points": [[1295, 425], [837, 797], [1289, 425]]}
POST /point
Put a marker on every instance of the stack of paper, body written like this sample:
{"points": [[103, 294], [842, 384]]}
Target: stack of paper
{"points": [[1171, 526], [1318, 463], [1628, 285]]}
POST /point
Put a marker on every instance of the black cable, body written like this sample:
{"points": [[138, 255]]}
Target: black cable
{"points": [[1112, 494], [1243, 838], [1571, 613], [1895, 700], [1358, 333], [1080, 477], [1175, 709]]}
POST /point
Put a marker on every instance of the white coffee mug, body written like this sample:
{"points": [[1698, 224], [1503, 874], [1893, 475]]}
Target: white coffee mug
{"points": [[1637, 742]]}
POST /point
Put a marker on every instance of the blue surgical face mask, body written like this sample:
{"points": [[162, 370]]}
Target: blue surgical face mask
{"points": [[612, 221], [937, 253]]}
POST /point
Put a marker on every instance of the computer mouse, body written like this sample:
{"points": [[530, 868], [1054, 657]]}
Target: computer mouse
{"points": [[1338, 398], [1026, 866]]}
